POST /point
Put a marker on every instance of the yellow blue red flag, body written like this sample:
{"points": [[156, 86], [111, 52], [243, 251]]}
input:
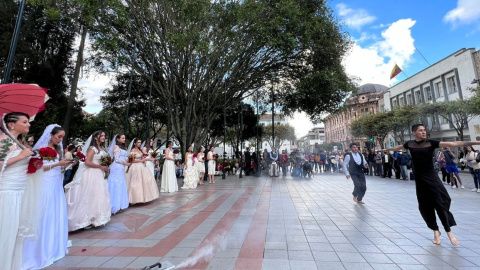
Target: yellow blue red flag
{"points": [[395, 71]]}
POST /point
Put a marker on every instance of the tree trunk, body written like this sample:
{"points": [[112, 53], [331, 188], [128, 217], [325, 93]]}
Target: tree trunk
{"points": [[73, 90]]}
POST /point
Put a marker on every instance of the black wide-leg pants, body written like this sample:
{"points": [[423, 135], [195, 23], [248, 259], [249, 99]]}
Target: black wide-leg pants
{"points": [[360, 185]]}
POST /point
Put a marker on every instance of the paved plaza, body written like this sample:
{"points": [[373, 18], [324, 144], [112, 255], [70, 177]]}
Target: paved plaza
{"points": [[282, 223]]}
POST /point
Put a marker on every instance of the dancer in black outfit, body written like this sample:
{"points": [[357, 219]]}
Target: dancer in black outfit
{"points": [[431, 193]]}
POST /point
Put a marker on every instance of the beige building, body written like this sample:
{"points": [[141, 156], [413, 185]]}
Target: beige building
{"points": [[367, 100]]}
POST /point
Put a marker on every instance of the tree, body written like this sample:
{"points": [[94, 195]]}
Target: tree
{"points": [[214, 49], [283, 133], [42, 57], [456, 112], [373, 126]]}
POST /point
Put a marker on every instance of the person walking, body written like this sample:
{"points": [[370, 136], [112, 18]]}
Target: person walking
{"points": [[403, 159], [284, 162], [378, 163], [387, 161], [353, 166], [274, 161], [473, 167], [432, 195], [452, 168], [442, 164], [371, 162]]}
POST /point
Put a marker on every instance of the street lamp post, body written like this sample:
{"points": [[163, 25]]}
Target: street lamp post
{"points": [[169, 102], [150, 102], [13, 46], [224, 127], [241, 139], [273, 117], [130, 88]]}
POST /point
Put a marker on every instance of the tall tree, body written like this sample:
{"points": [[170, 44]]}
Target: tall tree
{"points": [[283, 133], [214, 49], [43, 57]]}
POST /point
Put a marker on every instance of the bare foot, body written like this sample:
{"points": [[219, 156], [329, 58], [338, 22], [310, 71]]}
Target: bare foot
{"points": [[452, 238], [436, 237], [355, 199], [360, 202]]}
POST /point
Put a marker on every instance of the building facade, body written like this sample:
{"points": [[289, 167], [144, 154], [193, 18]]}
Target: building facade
{"points": [[447, 79], [369, 99]]}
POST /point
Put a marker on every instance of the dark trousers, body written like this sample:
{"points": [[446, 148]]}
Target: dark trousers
{"points": [[445, 175], [397, 170], [316, 165], [387, 170], [378, 169], [371, 166], [66, 178], [360, 185], [284, 170]]}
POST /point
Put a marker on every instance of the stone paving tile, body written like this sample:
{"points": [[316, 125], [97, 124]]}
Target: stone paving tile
{"points": [[308, 224]]}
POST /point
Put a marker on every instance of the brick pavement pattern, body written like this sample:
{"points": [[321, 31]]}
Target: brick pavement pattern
{"points": [[281, 223]]}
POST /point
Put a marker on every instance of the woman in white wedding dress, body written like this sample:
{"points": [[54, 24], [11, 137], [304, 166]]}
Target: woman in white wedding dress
{"points": [[51, 241], [88, 200], [149, 160], [200, 164], [190, 172], [13, 186], [141, 184], [117, 183], [169, 178]]}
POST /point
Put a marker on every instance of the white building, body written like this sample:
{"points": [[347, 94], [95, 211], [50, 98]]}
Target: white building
{"points": [[266, 119], [447, 79]]}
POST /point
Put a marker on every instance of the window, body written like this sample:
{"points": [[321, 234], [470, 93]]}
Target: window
{"points": [[409, 99], [477, 129], [401, 101], [394, 103], [438, 89], [452, 87], [418, 97], [443, 120], [428, 92]]}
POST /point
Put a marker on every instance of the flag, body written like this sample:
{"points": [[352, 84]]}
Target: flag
{"points": [[395, 71]]}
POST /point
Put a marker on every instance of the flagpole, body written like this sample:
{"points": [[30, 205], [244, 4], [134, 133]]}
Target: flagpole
{"points": [[422, 55], [401, 69]]}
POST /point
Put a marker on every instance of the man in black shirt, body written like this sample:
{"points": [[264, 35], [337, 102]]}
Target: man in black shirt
{"points": [[431, 193], [371, 162]]}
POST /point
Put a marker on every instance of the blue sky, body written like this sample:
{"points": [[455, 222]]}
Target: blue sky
{"points": [[386, 31]]}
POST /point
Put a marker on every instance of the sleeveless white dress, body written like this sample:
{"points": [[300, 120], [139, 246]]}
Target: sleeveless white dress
{"points": [[141, 184], [200, 165], [88, 200], [51, 241], [12, 187], [169, 178], [211, 164], [190, 174], [117, 183], [150, 164]]}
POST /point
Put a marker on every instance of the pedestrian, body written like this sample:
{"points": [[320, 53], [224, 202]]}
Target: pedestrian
{"points": [[473, 167], [353, 166], [452, 168], [403, 159], [248, 161], [274, 161], [284, 162], [396, 165], [432, 196], [68, 170], [178, 169], [157, 170], [441, 167], [322, 161], [378, 163], [211, 165], [387, 160], [371, 162]]}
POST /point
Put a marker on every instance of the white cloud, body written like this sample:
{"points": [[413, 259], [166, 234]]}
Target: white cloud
{"points": [[92, 87], [373, 63], [466, 12], [354, 18], [301, 123]]}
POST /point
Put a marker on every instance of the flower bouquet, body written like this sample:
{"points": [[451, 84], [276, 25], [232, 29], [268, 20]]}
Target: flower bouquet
{"points": [[193, 158], [130, 159], [34, 164], [175, 151], [215, 157], [47, 153], [107, 161], [154, 154], [80, 156]]}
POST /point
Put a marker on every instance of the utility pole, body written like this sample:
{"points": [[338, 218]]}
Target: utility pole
{"points": [[273, 117], [224, 127], [13, 45], [147, 135]]}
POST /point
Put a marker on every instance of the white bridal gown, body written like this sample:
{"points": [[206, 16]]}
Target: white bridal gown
{"points": [[150, 164], [88, 200], [169, 178], [12, 187], [51, 241], [190, 174], [117, 183]]}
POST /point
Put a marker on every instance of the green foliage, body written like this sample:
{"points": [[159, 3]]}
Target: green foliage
{"points": [[328, 147], [283, 133]]}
